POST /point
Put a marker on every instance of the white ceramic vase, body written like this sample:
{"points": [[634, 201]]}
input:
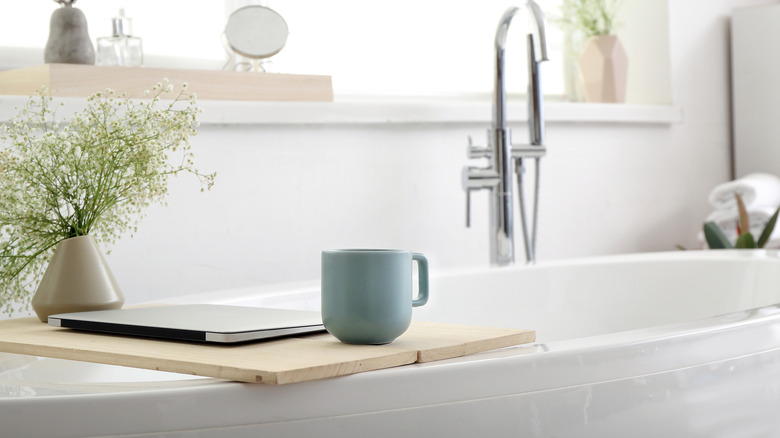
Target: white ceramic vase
{"points": [[603, 66], [77, 279]]}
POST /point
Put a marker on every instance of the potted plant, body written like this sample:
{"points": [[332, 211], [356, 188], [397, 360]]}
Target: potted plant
{"points": [[66, 184], [716, 239], [602, 62]]}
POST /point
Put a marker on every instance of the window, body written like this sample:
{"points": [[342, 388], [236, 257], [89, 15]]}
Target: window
{"points": [[401, 48], [409, 46], [406, 47]]}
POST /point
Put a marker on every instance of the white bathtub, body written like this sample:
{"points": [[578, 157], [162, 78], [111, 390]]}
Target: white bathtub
{"points": [[683, 344]]}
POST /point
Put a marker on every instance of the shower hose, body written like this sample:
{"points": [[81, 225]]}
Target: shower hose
{"points": [[529, 239]]}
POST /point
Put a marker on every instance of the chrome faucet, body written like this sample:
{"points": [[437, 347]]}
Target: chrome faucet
{"points": [[504, 157]]}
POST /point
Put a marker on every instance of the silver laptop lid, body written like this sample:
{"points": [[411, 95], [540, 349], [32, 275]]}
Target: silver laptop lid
{"points": [[195, 322]]}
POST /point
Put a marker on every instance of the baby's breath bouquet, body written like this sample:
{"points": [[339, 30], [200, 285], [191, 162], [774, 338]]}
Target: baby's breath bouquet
{"points": [[91, 174]]}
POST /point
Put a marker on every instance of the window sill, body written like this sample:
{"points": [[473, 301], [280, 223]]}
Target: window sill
{"points": [[397, 112], [383, 113]]}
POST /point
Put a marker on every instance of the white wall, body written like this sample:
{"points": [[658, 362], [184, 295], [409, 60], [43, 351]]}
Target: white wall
{"points": [[700, 54], [284, 193], [643, 29], [755, 93]]}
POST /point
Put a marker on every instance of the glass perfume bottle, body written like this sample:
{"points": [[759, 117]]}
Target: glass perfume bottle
{"points": [[120, 48]]}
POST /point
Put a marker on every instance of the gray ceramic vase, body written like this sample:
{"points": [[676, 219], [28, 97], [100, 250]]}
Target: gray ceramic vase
{"points": [[77, 279], [69, 41]]}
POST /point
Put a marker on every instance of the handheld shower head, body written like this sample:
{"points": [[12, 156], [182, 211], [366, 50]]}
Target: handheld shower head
{"points": [[539, 22]]}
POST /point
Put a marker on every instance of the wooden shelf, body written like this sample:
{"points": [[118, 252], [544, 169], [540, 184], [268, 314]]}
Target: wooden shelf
{"points": [[74, 80]]}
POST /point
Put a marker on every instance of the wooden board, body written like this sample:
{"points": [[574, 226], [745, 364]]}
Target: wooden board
{"points": [[278, 361], [74, 80]]}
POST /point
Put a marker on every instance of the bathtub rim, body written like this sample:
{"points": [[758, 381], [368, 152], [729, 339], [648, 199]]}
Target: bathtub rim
{"points": [[260, 403], [617, 348], [634, 340]]}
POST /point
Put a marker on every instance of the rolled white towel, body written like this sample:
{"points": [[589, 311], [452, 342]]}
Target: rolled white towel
{"points": [[756, 190], [727, 221]]}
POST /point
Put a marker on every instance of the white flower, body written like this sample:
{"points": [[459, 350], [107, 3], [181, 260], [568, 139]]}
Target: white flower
{"points": [[108, 163]]}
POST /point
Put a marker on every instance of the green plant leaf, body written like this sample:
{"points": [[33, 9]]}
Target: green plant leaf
{"points": [[744, 222], [767, 232], [745, 241], [715, 237]]}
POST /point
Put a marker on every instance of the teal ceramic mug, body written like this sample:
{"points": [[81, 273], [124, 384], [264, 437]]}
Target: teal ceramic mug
{"points": [[367, 293]]}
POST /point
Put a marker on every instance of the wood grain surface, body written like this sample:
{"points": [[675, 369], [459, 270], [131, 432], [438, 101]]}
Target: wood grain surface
{"points": [[73, 80], [280, 361]]}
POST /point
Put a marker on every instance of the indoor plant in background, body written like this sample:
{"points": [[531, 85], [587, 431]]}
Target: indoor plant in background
{"points": [[602, 61], [65, 184], [716, 239]]}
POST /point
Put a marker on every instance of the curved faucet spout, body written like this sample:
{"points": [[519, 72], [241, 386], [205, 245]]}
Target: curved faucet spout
{"points": [[499, 89], [503, 26], [500, 152]]}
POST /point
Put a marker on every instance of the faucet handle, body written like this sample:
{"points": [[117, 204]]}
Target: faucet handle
{"points": [[477, 151], [528, 151]]}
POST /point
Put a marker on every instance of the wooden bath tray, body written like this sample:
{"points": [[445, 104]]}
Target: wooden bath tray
{"points": [[278, 361]]}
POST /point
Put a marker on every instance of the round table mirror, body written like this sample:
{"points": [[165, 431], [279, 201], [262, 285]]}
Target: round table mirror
{"points": [[256, 32]]}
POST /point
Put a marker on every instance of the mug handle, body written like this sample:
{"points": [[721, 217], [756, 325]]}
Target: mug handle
{"points": [[422, 276]]}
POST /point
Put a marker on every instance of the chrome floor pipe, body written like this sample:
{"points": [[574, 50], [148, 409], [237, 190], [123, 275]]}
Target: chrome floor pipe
{"points": [[504, 157]]}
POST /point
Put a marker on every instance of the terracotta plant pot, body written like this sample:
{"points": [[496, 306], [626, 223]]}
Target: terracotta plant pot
{"points": [[603, 68], [77, 279]]}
